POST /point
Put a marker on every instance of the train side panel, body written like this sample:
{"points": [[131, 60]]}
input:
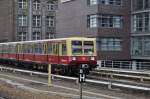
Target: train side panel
{"points": [[40, 58], [28, 57]]}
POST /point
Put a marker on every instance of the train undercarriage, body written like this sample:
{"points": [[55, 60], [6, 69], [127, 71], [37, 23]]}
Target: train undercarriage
{"points": [[69, 70]]}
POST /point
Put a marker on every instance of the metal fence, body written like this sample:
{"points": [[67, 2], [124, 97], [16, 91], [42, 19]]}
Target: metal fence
{"points": [[108, 83], [128, 65]]}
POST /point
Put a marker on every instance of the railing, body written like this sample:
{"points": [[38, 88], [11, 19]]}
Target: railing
{"points": [[108, 83], [128, 65]]}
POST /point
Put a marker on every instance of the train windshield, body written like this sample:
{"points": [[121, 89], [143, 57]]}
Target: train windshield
{"points": [[82, 47], [88, 47], [77, 47]]}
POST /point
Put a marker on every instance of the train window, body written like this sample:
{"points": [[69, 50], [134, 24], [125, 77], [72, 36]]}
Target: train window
{"points": [[50, 48], [39, 48], [78, 43], [28, 48], [5, 49], [88, 47], [64, 49], [1, 48], [45, 47], [12, 48], [19, 48], [55, 49], [76, 47]]}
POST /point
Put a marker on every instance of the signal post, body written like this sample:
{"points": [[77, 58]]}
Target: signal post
{"points": [[82, 76], [49, 75]]}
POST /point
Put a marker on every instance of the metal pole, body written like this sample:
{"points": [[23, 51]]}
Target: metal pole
{"points": [[49, 76], [80, 90]]}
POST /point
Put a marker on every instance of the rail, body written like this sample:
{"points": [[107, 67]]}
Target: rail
{"points": [[138, 75], [125, 71], [109, 83]]}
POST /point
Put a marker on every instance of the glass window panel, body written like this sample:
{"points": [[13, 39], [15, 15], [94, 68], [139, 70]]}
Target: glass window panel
{"points": [[22, 4], [93, 2], [36, 36], [22, 20], [110, 44], [141, 22], [36, 21], [36, 4]]}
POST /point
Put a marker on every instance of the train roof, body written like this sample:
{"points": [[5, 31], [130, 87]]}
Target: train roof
{"points": [[45, 40]]}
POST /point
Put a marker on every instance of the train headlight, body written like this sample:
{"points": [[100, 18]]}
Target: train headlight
{"points": [[92, 58], [73, 58]]}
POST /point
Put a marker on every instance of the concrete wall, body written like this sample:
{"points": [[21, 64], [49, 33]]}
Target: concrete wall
{"points": [[6, 21]]}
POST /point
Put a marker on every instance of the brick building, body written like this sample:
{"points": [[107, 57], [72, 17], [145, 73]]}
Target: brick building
{"points": [[27, 19], [140, 31]]}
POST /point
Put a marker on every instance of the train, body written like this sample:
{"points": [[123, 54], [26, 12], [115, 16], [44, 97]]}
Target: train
{"points": [[64, 54]]}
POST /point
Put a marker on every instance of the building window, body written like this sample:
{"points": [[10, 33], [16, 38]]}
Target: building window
{"points": [[147, 4], [36, 20], [93, 21], [141, 46], [22, 4], [51, 5], [141, 22], [146, 42], [105, 2], [22, 36], [50, 36], [36, 4], [114, 2], [93, 2], [110, 21], [36, 36], [117, 21], [50, 21], [142, 4], [109, 44], [105, 21], [22, 20]]}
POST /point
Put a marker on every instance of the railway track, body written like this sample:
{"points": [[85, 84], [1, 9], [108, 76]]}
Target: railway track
{"points": [[121, 77], [98, 81]]}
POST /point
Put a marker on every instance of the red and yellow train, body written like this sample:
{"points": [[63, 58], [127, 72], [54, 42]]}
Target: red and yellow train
{"points": [[64, 54]]}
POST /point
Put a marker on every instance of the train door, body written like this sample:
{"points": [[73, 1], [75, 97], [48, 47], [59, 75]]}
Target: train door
{"points": [[12, 51], [53, 52], [46, 51], [17, 51], [56, 52], [28, 52], [20, 51], [63, 59], [40, 52]]}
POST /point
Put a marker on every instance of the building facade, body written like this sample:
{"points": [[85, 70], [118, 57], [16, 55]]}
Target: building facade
{"points": [[23, 20], [35, 19], [107, 20], [140, 29]]}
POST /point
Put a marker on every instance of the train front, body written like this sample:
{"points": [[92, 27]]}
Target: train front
{"points": [[83, 51]]}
